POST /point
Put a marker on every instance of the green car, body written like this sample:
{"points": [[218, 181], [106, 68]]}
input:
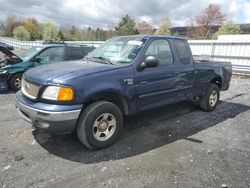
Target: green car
{"points": [[12, 66]]}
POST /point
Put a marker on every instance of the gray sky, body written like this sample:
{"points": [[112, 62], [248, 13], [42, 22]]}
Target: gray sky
{"points": [[100, 13]]}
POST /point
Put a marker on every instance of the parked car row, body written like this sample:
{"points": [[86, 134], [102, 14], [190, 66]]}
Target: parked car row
{"points": [[14, 65]]}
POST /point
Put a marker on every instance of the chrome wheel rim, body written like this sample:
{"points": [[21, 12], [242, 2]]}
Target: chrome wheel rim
{"points": [[104, 127], [18, 83], [213, 98]]}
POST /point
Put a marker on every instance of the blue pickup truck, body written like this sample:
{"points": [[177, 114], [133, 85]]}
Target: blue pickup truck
{"points": [[124, 76]]}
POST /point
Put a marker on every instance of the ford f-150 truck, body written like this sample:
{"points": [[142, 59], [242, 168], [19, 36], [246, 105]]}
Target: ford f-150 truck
{"points": [[124, 76]]}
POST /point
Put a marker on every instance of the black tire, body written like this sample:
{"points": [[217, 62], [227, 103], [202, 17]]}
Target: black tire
{"points": [[13, 82], [205, 103], [86, 125]]}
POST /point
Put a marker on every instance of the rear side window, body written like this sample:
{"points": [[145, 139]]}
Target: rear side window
{"points": [[183, 52]]}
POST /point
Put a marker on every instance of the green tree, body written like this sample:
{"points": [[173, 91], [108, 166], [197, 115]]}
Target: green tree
{"points": [[50, 32], [126, 26], [21, 33], [228, 28], [31, 25], [164, 28], [60, 36]]}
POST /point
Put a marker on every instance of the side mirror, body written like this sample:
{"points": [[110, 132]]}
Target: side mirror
{"points": [[149, 62]]}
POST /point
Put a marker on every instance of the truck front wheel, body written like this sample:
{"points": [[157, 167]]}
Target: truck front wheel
{"points": [[15, 82], [100, 125], [210, 100]]}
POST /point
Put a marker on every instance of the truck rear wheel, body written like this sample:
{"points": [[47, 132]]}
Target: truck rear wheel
{"points": [[100, 125], [15, 82], [210, 101]]}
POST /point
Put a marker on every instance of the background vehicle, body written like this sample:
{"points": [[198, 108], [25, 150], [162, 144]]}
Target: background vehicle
{"points": [[13, 65], [124, 76]]}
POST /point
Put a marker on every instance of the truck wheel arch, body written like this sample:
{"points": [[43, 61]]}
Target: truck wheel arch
{"points": [[217, 80], [111, 96]]}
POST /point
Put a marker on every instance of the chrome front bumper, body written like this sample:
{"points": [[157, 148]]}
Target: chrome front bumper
{"points": [[54, 121]]}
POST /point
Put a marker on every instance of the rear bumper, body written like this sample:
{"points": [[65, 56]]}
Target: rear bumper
{"points": [[52, 118]]}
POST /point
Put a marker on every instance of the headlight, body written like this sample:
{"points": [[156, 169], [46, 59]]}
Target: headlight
{"points": [[58, 93]]}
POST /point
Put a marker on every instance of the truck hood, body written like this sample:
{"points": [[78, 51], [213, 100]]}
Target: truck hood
{"points": [[62, 71]]}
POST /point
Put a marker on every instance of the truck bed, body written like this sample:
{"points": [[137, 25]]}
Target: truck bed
{"points": [[221, 68]]}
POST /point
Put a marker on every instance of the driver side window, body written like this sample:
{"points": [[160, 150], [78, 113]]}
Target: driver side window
{"points": [[160, 49], [51, 55]]}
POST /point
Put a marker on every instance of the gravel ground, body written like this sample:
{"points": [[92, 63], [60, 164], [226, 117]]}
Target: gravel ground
{"points": [[175, 146]]}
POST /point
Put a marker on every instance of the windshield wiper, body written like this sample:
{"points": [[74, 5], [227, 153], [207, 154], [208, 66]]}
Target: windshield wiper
{"points": [[106, 60]]}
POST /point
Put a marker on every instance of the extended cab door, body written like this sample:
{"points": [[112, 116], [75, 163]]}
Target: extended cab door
{"points": [[157, 86], [186, 67]]}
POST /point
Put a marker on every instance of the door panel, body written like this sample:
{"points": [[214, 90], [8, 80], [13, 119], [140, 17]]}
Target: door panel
{"points": [[157, 86]]}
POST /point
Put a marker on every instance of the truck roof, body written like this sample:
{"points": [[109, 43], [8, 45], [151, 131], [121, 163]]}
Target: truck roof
{"points": [[151, 36], [59, 45]]}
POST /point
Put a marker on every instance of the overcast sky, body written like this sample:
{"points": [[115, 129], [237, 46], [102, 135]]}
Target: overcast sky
{"points": [[100, 13]]}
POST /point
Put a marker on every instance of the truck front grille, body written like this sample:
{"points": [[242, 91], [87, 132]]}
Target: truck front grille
{"points": [[30, 90]]}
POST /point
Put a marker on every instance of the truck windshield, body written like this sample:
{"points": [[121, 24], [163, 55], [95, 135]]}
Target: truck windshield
{"points": [[28, 54], [118, 50]]}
